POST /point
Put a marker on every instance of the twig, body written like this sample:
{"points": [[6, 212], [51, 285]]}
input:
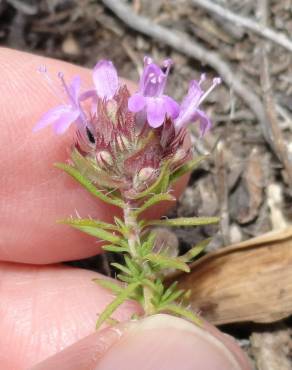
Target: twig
{"points": [[222, 185], [269, 103], [264, 31], [23, 7], [183, 43]]}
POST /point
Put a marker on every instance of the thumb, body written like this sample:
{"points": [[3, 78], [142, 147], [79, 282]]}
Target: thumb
{"points": [[159, 342]]}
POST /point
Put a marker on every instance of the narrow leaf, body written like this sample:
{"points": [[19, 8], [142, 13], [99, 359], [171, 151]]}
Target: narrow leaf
{"points": [[114, 248], [88, 185], [187, 167], [109, 284], [167, 262], [170, 290], [122, 268], [90, 223], [157, 198], [124, 278], [195, 251], [124, 295], [95, 231], [133, 267], [173, 297], [181, 311], [148, 244], [183, 221]]}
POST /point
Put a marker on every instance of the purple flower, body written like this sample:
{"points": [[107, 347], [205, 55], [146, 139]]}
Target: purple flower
{"points": [[150, 97], [64, 115], [105, 79], [189, 111]]}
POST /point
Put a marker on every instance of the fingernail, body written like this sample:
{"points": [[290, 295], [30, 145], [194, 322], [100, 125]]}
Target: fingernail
{"points": [[165, 342]]}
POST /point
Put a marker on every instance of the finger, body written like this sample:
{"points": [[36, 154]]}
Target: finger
{"points": [[46, 309], [158, 342], [33, 194]]}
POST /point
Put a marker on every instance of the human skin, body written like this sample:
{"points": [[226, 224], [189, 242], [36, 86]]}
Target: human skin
{"points": [[48, 310]]}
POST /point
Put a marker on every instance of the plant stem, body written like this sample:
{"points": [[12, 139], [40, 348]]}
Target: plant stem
{"points": [[134, 244], [132, 225]]}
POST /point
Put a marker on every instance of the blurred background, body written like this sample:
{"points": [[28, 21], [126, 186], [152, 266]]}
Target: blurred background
{"points": [[248, 181]]}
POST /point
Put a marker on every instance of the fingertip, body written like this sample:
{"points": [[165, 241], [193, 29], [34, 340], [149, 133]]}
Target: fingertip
{"points": [[82, 355], [157, 342]]}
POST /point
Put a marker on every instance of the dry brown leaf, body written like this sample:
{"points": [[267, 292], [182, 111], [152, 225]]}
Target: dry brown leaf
{"points": [[249, 281]]}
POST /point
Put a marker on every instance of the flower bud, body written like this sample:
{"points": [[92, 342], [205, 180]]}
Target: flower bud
{"points": [[104, 158], [179, 155], [111, 108], [144, 176], [122, 142]]}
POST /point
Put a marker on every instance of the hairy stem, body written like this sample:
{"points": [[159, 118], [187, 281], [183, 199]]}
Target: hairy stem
{"points": [[134, 244], [134, 232]]}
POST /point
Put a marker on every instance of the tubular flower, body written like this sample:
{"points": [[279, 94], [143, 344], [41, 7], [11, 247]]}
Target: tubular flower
{"points": [[105, 78], [62, 116], [189, 111], [150, 97]]}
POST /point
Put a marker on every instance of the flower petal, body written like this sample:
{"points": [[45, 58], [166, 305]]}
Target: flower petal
{"points": [[193, 96], [152, 81], [171, 106], [87, 94], [155, 112], [74, 88], [50, 117], [136, 103], [189, 105], [65, 120], [106, 79], [205, 123]]}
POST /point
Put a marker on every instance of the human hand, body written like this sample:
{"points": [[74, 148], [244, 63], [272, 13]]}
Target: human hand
{"points": [[49, 311]]}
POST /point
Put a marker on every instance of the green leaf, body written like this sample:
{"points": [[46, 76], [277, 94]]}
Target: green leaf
{"points": [[90, 223], [159, 185], [148, 244], [115, 248], [109, 284], [195, 251], [125, 279], [88, 185], [124, 295], [170, 290], [183, 221], [187, 167], [133, 267], [89, 228], [157, 198], [181, 311], [173, 296], [150, 284], [167, 262], [122, 268]]}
